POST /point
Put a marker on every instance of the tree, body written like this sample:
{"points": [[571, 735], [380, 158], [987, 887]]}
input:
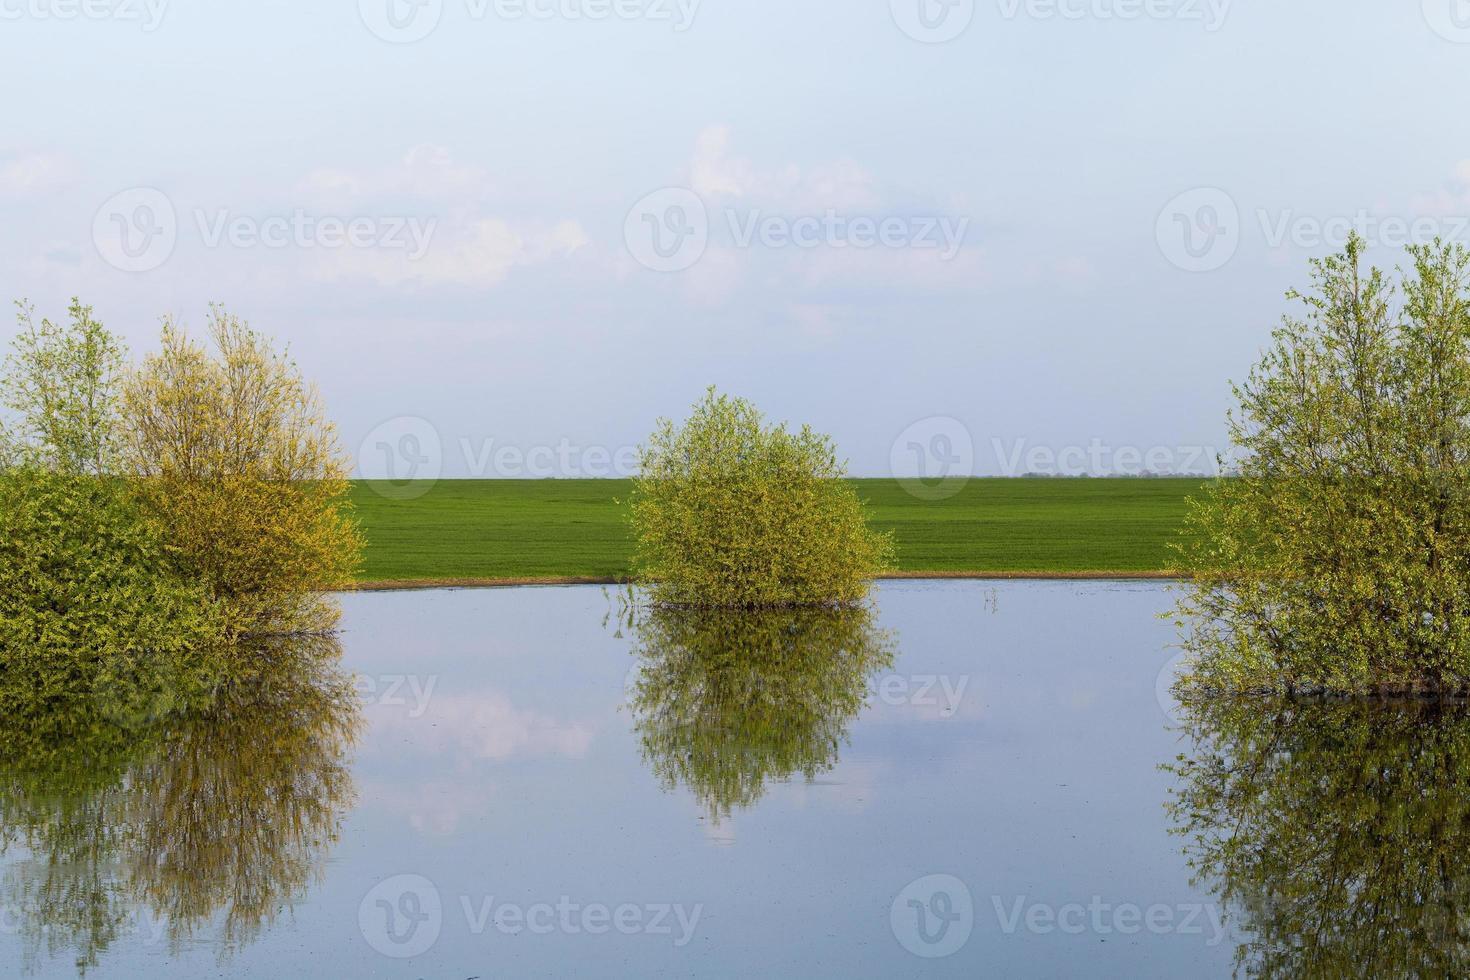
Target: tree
{"points": [[233, 455], [1339, 557], [91, 603], [62, 380], [728, 512]]}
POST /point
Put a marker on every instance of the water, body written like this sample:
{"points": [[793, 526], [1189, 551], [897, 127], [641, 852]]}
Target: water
{"points": [[528, 787]]}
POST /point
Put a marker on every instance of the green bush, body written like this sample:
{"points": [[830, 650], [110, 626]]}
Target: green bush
{"points": [[1339, 557], [730, 513], [90, 608]]}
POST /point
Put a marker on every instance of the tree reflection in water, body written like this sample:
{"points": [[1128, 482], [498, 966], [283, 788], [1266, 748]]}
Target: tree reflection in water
{"points": [[1335, 833], [727, 701], [215, 817]]}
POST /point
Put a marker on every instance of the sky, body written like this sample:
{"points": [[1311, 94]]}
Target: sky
{"points": [[503, 237]]}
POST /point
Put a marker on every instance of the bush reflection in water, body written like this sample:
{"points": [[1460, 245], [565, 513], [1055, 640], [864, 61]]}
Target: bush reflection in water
{"points": [[215, 816], [1335, 833], [727, 701]]}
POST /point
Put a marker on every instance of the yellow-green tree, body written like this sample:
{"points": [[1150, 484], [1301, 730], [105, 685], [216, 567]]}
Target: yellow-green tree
{"points": [[728, 512], [232, 454], [1339, 556]]}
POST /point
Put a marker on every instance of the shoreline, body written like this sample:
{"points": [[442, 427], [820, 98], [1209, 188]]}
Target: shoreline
{"points": [[414, 585]]}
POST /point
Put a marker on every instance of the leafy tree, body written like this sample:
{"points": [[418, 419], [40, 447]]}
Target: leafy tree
{"points": [[729, 512], [1339, 556], [62, 381], [91, 605], [727, 701], [233, 455]]}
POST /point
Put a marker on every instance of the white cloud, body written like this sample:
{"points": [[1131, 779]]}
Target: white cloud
{"points": [[1453, 198], [426, 171], [715, 173], [437, 806], [739, 191], [475, 252], [34, 173], [468, 245], [486, 726]]}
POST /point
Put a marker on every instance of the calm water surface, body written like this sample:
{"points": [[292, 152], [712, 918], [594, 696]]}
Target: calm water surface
{"points": [[536, 788]]}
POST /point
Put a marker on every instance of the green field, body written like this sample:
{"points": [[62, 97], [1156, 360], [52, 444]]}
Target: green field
{"points": [[513, 529]]}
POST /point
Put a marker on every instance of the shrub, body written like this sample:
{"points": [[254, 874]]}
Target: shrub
{"points": [[91, 610], [1339, 557], [728, 512], [233, 455]]}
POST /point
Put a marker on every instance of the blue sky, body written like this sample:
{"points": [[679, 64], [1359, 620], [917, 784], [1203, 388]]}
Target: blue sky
{"points": [[914, 232]]}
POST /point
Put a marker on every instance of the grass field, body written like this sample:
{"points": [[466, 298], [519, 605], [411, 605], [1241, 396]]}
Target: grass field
{"points": [[514, 529]]}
